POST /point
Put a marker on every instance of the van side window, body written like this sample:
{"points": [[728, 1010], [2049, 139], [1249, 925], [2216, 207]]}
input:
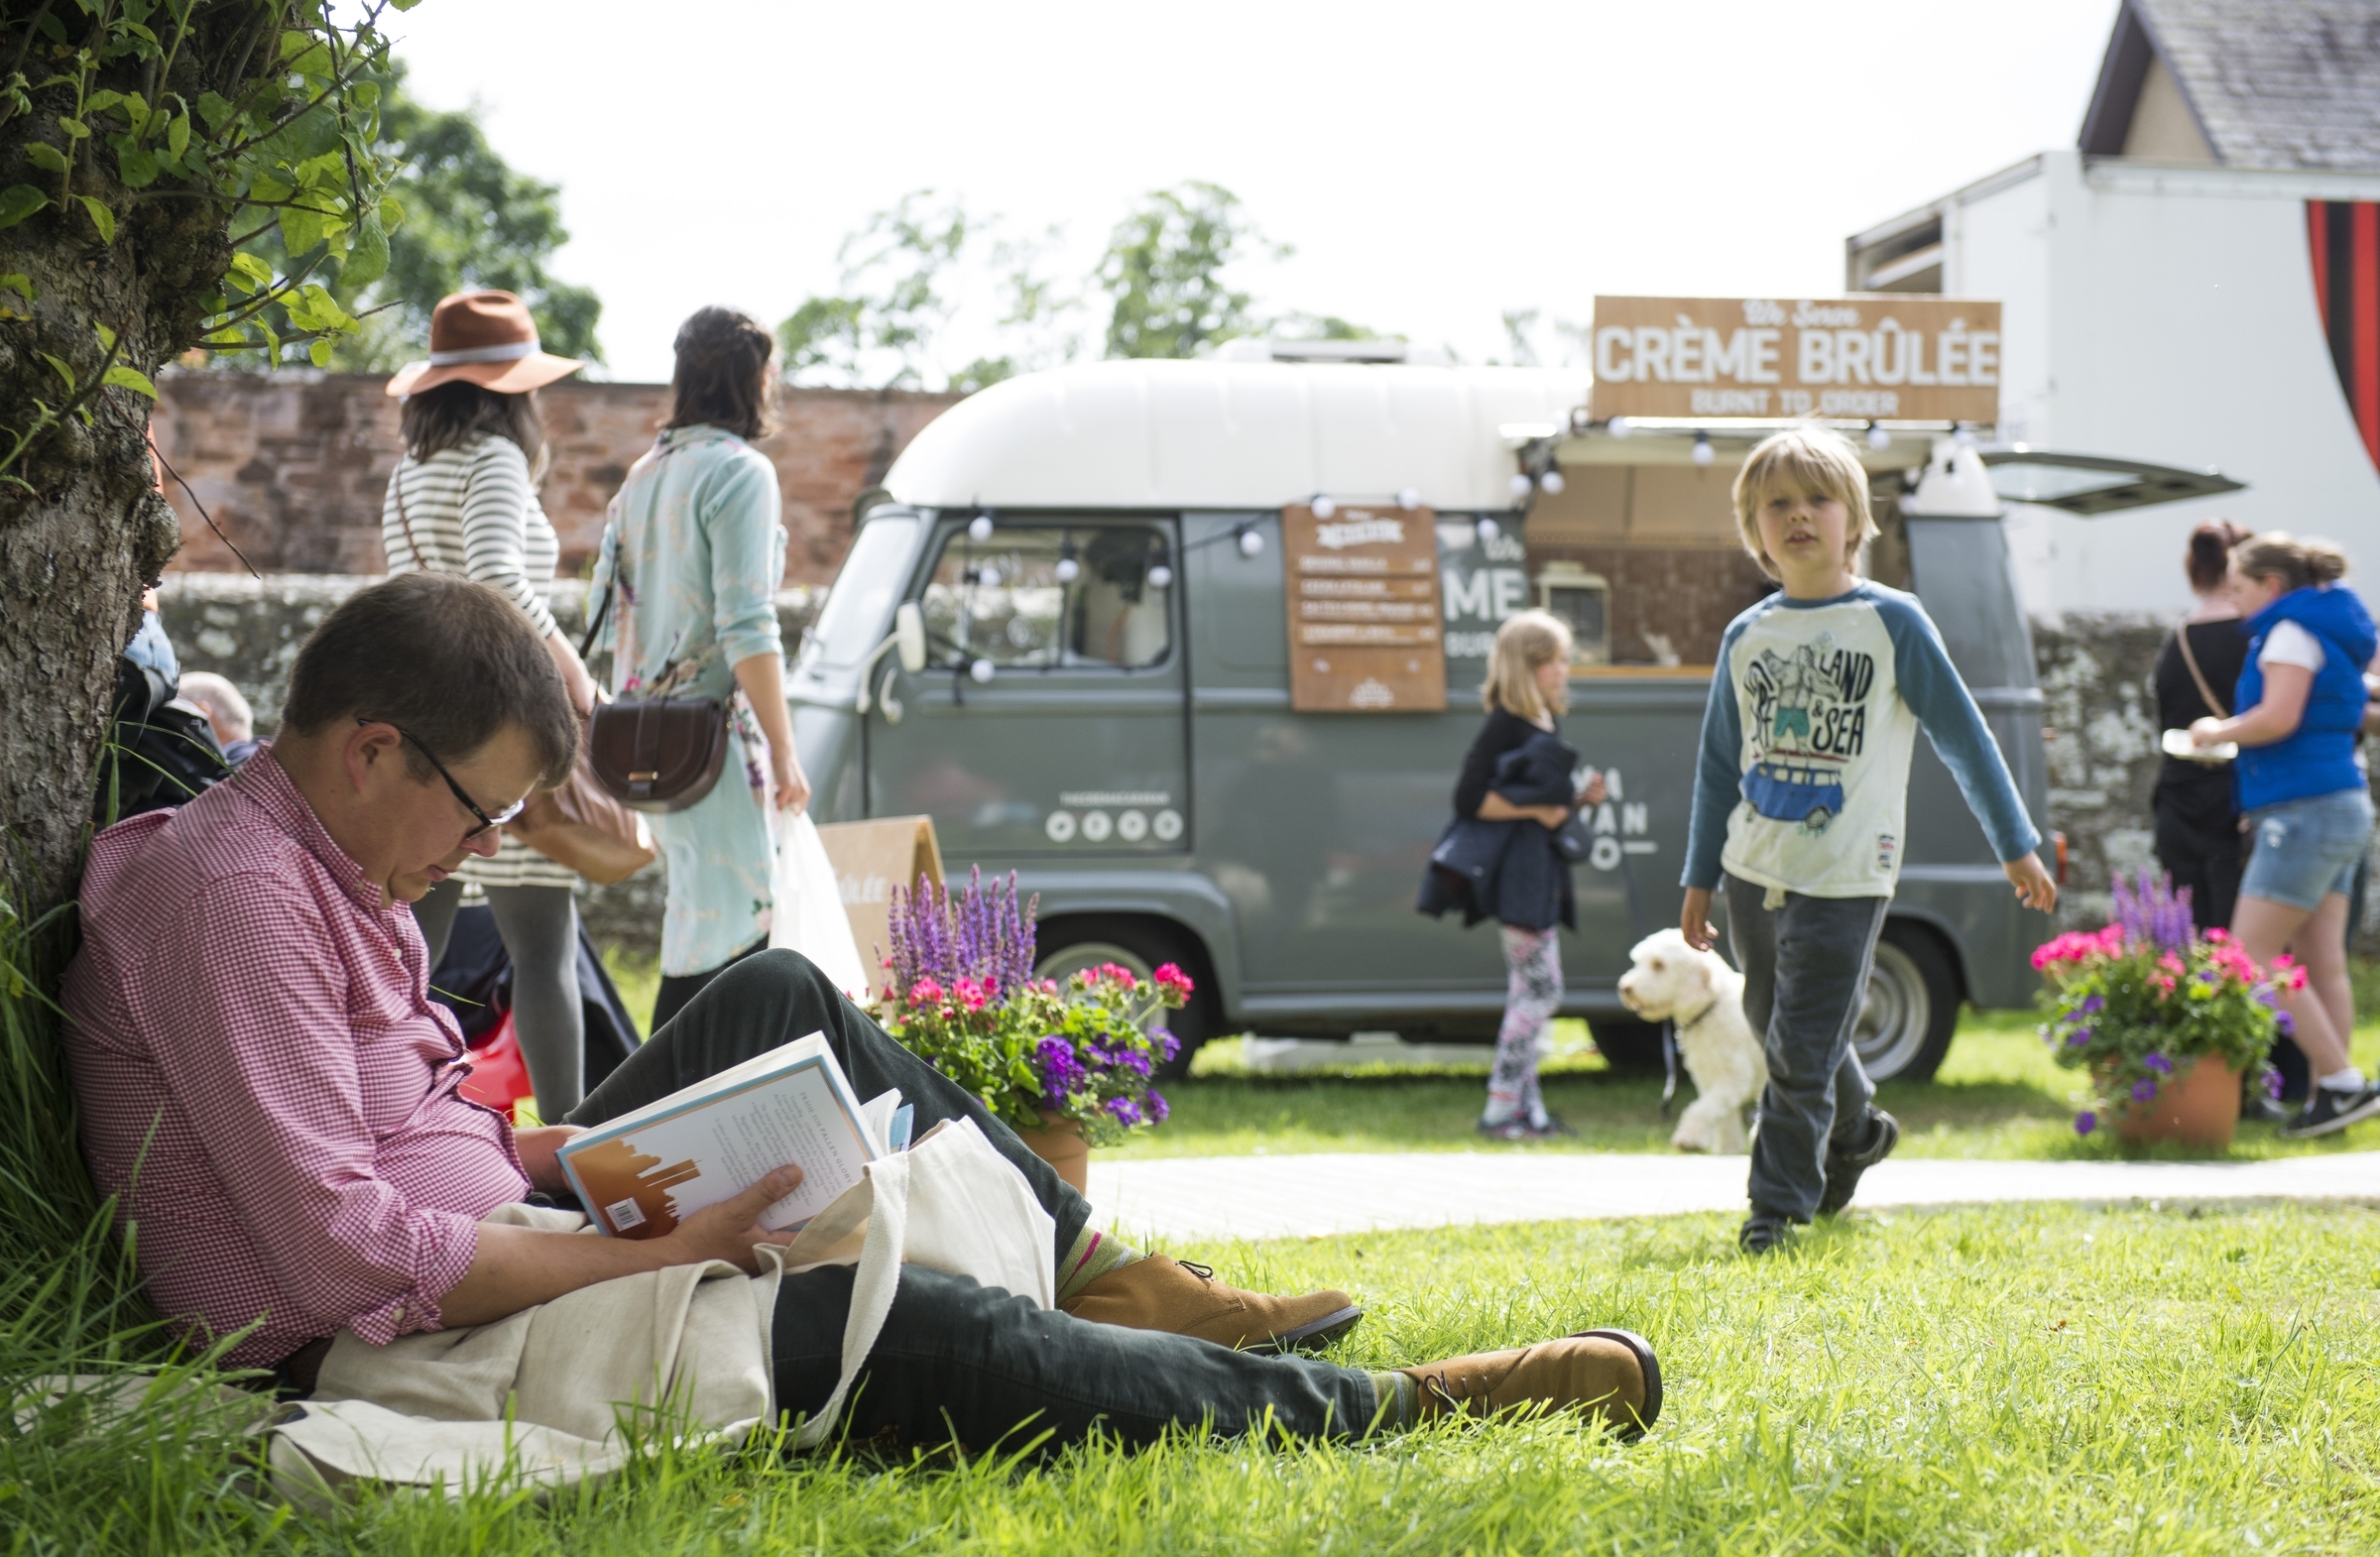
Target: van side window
{"points": [[1051, 597]]}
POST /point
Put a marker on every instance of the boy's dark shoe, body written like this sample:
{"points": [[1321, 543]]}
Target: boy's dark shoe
{"points": [[1844, 1168], [2329, 1110], [1762, 1232]]}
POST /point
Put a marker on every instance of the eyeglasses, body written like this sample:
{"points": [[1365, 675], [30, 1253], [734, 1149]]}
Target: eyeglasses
{"points": [[486, 822]]}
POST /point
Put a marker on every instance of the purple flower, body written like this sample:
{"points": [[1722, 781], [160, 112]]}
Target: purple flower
{"points": [[1158, 1108], [2143, 1090], [1060, 1072], [2285, 1023], [2272, 1084], [2092, 1002], [2086, 1121], [1167, 1047], [2078, 1037], [1127, 1112], [2159, 1064]]}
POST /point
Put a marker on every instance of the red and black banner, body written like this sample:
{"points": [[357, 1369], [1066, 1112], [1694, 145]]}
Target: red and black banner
{"points": [[2345, 238]]}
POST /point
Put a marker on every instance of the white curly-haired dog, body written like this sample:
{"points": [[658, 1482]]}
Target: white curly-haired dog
{"points": [[1696, 989]]}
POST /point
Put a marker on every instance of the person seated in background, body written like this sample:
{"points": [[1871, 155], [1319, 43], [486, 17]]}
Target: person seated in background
{"points": [[269, 1090], [227, 713]]}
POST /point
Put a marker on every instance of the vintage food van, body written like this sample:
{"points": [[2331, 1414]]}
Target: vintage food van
{"points": [[1064, 630]]}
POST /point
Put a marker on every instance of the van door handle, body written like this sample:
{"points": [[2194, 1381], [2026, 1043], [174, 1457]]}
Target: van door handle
{"points": [[885, 699]]}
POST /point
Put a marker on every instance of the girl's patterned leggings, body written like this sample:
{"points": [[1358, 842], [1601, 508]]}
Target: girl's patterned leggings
{"points": [[1532, 994]]}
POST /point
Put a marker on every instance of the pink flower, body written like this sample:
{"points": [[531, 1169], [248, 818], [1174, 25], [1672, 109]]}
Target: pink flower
{"points": [[1120, 973], [925, 992], [2219, 935], [1171, 977]]}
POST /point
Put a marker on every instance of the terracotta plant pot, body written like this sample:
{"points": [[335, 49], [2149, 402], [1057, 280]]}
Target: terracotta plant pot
{"points": [[1060, 1144], [2199, 1106]]}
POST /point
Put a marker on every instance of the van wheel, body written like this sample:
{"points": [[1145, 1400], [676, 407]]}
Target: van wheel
{"points": [[1629, 1048], [1086, 943], [1912, 1005]]}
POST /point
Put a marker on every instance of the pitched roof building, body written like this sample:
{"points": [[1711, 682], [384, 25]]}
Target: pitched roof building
{"points": [[2244, 83], [2195, 282]]}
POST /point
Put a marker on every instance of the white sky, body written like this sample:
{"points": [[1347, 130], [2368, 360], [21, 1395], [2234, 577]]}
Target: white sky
{"points": [[1433, 164]]}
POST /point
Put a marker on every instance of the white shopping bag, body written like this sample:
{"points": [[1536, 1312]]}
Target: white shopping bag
{"points": [[809, 915]]}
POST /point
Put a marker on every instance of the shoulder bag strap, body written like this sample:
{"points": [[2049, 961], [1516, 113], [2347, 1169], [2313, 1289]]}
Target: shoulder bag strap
{"points": [[421, 560], [2221, 709]]}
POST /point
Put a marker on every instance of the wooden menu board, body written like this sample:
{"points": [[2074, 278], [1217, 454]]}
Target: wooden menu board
{"points": [[1365, 626]]}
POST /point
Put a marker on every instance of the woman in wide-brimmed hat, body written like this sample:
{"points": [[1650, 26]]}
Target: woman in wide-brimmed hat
{"points": [[465, 500]]}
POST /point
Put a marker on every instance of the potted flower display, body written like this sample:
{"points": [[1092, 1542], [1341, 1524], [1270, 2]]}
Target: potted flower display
{"points": [[1066, 1064], [2165, 1021]]}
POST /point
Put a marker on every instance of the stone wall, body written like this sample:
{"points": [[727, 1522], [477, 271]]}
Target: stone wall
{"points": [[293, 465], [2102, 712]]}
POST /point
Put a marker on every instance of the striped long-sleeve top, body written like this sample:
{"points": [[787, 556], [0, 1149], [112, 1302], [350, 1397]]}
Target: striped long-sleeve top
{"points": [[473, 511]]}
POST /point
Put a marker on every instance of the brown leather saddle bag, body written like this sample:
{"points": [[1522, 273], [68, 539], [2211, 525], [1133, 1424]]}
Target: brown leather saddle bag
{"points": [[658, 756]]}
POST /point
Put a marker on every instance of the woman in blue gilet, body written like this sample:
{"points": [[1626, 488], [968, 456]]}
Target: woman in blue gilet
{"points": [[2303, 796]]}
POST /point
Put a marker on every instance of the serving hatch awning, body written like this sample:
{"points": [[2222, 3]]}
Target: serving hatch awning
{"points": [[2095, 484]]}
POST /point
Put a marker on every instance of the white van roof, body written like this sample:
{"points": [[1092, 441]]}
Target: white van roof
{"points": [[1223, 434]]}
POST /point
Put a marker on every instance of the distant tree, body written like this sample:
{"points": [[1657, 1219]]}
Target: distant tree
{"points": [[469, 220], [878, 332], [910, 272], [906, 274], [1163, 273], [142, 143]]}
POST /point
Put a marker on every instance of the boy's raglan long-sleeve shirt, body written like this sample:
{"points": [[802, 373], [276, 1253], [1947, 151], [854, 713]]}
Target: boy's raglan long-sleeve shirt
{"points": [[1803, 781]]}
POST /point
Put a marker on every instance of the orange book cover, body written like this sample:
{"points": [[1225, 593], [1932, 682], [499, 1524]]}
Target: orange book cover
{"points": [[640, 1174]]}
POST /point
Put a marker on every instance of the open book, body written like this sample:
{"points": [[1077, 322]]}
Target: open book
{"points": [[640, 1174]]}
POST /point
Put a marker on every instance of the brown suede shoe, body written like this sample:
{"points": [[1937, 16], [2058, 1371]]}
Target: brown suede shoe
{"points": [[1611, 1376], [1181, 1298]]}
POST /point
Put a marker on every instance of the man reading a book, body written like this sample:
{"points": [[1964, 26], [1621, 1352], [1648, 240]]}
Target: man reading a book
{"points": [[272, 1094]]}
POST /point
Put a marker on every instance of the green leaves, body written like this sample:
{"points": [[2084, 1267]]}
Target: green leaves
{"points": [[367, 253], [132, 379], [101, 217], [137, 168], [63, 371], [18, 202], [45, 157], [248, 273]]}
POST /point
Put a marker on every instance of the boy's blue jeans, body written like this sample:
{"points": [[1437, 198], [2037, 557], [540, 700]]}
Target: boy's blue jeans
{"points": [[1805, 968]]}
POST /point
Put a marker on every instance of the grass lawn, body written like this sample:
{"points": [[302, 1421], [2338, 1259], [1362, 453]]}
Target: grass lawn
{"points": [[2049, 1380], [1997, 1095]]}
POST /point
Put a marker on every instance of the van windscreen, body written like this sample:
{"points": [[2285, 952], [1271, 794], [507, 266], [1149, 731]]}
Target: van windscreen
{"points": [[861, 601]]}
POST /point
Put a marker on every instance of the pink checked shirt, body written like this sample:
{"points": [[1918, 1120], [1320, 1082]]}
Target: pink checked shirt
{"points": [[241, 990]]}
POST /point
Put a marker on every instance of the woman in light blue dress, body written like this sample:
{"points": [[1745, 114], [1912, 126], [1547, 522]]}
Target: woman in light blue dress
{"points": [[696, 550]]}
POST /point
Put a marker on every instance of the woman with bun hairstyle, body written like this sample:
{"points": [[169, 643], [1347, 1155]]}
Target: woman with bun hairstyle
{"points": [[2197, 678], [2308, 802], [696, 550]]}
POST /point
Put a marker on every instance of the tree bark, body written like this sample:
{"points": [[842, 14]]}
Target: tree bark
{"points": [[88, 530]]}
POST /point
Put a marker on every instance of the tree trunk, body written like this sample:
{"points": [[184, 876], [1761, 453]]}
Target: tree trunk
{"points": [[88, 530]]}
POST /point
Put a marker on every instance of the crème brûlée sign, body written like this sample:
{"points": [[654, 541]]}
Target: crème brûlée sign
{"points": [[1881, 357], [1366, 632]]}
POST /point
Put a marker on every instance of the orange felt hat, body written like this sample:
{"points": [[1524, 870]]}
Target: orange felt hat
{"points": [[488, 338]]}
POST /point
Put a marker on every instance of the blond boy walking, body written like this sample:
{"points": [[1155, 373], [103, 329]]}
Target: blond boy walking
{"points": [[1800, 800]]}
